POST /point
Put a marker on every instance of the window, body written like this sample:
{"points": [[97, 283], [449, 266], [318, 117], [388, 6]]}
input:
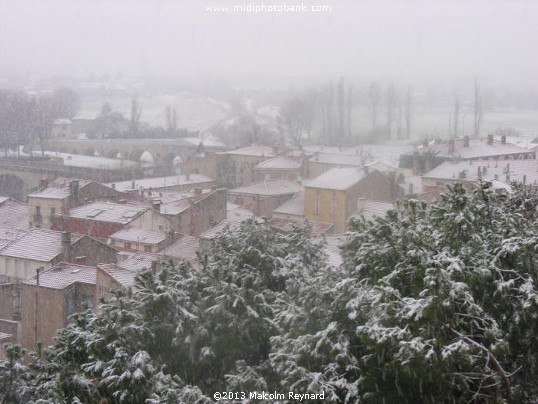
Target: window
{"points": [[317, 204], [147, 248], [37, 216], [127, 246], [52, 213]]}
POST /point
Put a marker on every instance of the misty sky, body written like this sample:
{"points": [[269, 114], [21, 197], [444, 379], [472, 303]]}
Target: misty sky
{"points": [[438, 41]]}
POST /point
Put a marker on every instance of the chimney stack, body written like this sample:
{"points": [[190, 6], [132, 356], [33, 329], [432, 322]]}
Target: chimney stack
{"points": [[490, 139], [66, 246], [466, 141], [38, 271], [74, 191], [43, 183], [503, 139]]}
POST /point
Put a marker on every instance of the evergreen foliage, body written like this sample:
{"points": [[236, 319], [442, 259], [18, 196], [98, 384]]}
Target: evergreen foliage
{"points": [[433, 303]]}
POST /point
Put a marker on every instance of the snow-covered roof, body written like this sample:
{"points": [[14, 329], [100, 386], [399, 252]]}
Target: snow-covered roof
{"points": [[62, 121], [293, 206], [216, 230], [373, 209], [381, 166], [337, 159], [79, 160], [254, 151], [207, 141], [477, 148], [13, 215], [280, 163], [184, 248], [502, 170], [268, 187], [137, 235], [121, 275], [60, 188], [108, 212], [160, 182], [338, 178], [236, 213], [38, 245], [62, 275], [139, 261]]}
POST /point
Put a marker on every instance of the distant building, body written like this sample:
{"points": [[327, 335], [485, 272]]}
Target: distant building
{"points": [[195, 213], [49, 298], [13, 219], [141, 240], [332, 197], [430, 155], [173, 183], [61, 128], [501, 171], [102, 219], [290, 166], [40, 248], [236, 168], [263, 197], [63, 194]]}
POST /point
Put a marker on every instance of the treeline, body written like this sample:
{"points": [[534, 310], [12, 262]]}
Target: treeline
{"points": [[329, 113], [27, 118], [433, 303], [113, 124]]}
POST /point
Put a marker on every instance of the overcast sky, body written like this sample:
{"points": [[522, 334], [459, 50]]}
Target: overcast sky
{"points": [[437, 40]]}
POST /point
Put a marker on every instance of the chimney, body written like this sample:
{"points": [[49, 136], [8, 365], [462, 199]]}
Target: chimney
{"points": [[360, 204], [43, 183], [156, 204], [66, 246], [503, 139], [38, 271], [466, 141], [133, 184], [114, 186], [490, 139], [74, 191]]}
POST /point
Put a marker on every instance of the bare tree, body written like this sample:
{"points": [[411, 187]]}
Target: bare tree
{"points": [[42, 114], [295, 119], [171, 118], [456, 114], [65, 102], [136, 112], [400, 129], [408, 113], [478, 109], [349, 109], [390, 99], [374, 96], [341, 117]]}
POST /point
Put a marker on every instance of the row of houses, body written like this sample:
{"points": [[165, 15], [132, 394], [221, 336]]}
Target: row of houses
{"points": [[75, 240]]}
